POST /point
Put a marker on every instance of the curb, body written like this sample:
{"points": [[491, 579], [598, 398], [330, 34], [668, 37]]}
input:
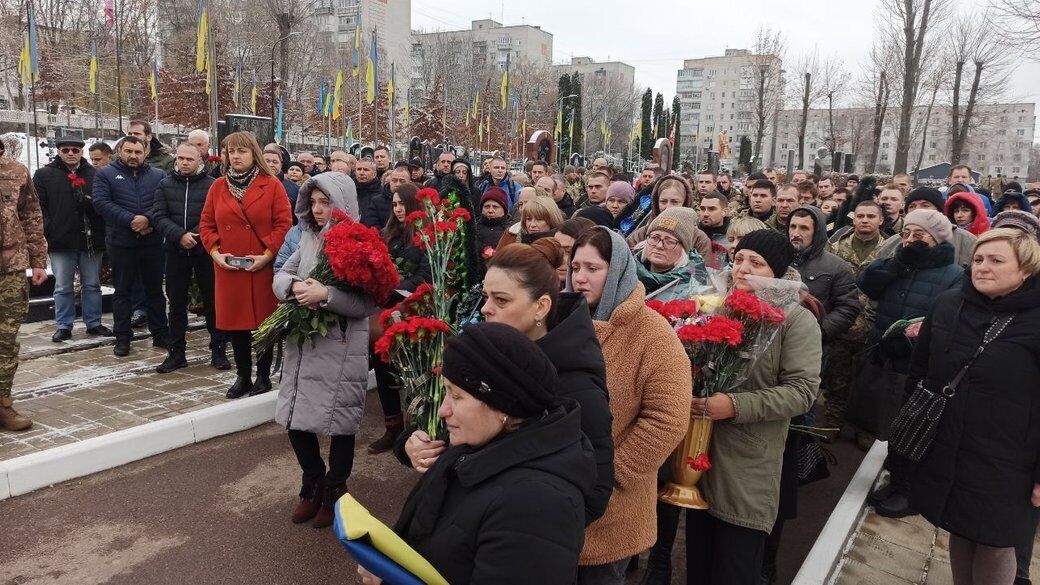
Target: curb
{"points": [[28, 473], [825, 560]]}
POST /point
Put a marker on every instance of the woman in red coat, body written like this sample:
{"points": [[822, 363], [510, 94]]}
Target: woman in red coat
{"points": [[247, 214]]}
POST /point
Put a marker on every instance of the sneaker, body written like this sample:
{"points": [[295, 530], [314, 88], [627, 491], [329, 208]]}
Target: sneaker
{"points": [[100, 331], [61, 335], [173, 361]]}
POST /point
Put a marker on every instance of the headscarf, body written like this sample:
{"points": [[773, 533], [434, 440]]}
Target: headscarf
{"points": [[342, 196], [622, 277]]}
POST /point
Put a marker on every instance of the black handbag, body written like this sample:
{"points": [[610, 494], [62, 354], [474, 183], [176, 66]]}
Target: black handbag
{"points": [[914, 429], [876, 395]]}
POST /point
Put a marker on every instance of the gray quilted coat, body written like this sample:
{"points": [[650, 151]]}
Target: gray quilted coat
{"points": [[324, 380]]}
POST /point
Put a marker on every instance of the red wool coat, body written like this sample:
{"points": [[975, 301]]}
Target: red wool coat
{"points": [[244, 299]]}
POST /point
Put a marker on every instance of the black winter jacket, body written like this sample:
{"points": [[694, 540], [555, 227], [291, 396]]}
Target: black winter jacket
{"points": [[830, 279], [69, 219], [380, 208], [411, 261], [977, 479], [907, 285], [489, 232], [179, 200], [572, 347], [120, 193], [366, 192], [566, 205], [510, 511]]}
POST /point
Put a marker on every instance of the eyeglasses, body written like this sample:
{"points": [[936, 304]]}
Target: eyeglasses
{"points": [[914, 234], [662, 242], [70, 150]]}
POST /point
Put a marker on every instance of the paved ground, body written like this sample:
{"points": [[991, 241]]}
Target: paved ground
{"points": [[86, 391], [908, 551]]}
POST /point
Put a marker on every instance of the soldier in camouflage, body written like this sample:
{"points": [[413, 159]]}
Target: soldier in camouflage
{"points": [[22, 246], [858, 245]]}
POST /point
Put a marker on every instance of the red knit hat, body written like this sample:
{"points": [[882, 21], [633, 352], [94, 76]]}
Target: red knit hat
{"points": [[497, 195]]}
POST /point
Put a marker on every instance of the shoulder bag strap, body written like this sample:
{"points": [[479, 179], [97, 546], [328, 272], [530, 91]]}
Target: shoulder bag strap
{"points": [[249, 222], [994, 330]]}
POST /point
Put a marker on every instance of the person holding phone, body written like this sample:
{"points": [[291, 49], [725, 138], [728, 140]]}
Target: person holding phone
{"points": [[243, 225], [176, 212]]}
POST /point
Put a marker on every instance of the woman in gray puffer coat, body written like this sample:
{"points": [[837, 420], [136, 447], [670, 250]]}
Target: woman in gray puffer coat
{"points": [[324, 378]]}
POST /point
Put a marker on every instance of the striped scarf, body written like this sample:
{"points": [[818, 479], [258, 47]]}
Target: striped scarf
{"points": [[239, 182]]}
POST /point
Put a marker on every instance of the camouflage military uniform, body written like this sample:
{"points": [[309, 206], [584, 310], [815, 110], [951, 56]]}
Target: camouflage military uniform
{"points": [[838, 375], [22, 246]]}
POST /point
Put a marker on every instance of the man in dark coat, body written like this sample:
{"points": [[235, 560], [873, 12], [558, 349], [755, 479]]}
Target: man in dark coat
{"points": [[828, 277], [124, 193], [75, 236], [179, 200], [157, 156], [441, 169], [368, 185], [381, 206]]}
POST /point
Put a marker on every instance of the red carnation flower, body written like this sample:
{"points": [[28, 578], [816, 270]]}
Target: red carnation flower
{"points": [[415, 216], [700, 463], [71, 176], [487, 253], [213, 158], [429, 194], [460, 213], [339, 215], [715, 330]]}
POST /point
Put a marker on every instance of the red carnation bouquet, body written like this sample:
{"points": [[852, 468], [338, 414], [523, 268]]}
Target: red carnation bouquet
{"points": [[722, 338], [354, 256], [415, 329]]}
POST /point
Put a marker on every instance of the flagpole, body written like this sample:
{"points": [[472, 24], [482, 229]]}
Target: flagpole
{"points": [[32, 94], [119, 65], [212, 70]]}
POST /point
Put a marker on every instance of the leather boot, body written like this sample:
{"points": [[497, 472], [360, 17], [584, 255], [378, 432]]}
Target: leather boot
{"points": [[262, 385], [394, 428], [327, 514], [240, 388], [311, 495], [218, 358], [9, 417]]}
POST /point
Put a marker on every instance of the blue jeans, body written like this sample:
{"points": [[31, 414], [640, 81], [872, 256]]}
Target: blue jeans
{"points": [[64, 265]]}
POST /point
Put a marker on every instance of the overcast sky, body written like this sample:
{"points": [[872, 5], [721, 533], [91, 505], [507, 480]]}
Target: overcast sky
{"points": [[654, 36]]}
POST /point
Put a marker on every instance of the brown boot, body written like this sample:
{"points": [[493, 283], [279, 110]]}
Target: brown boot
{"points": [[9, 417], [394, 428], [327, 513], [311, 495]]}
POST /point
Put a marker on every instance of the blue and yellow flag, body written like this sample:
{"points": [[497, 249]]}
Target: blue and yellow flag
{"points": [[252, 97], [29, 59], [371, 76], [93, 67], [153, 79], [558, 131], [200, 37], [504, 90], [327, 109], [390, 91], [476, 100], [278, 125], [357, 47], [571, 136], [209, 77], [321, 99], [336, 95]]}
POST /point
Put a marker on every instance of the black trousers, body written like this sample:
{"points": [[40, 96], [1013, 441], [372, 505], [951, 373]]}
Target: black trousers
{"points": [[386, 385], [308, 454], [181, 267], [241, 344], [720, 553], [128, 264]]}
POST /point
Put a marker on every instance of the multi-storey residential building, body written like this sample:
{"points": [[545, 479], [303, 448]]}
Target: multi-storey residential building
{"points": [[390, 20], [593, 73], [998, 142], [720, 94]]}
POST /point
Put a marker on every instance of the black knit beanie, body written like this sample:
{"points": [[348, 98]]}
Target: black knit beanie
{"points": [[500, 366], [928, 194], [771, 245]]}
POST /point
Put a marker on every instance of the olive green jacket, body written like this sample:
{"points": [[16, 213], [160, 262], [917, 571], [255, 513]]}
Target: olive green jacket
{"points": [[743, 485]]}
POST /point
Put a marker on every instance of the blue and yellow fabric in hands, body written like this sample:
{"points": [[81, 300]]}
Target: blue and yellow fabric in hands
{"points": [[379, 549]]}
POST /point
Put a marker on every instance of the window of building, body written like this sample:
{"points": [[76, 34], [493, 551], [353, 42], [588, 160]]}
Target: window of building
{"points": [[723, 94], [697, 73], [696, 105], [696, 94], [722, 106], [981, 157], [998, 170], [934, 145], [1021, 132], [931, 157], [884, 156], [885, 145], [1015, 170]]}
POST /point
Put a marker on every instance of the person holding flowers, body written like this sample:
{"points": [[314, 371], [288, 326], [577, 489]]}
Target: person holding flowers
{"points": [[325, 375], [414, 268], [246, 215], [726, 543], [650, 387], [505, 503]]}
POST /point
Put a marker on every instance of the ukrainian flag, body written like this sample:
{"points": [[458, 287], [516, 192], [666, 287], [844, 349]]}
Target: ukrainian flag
{"points": [[371, 77], [335, 95], [252, 98], [357, 47], [93, 67], [153, 80], [200, 37], [504, 90]]}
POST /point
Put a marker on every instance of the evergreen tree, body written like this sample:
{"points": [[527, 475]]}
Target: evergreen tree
{"points": [[564, 90], [659, 120], [578, 124], [646, 136], [677, 123], [744, 158]]}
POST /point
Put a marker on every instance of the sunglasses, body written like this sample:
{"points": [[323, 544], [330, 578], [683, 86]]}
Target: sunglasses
{"points": [[70, 150]]}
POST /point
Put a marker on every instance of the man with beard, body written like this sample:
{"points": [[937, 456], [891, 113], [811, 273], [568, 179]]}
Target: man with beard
{"points": [[441, 169], [828, 277], [724, 185]]}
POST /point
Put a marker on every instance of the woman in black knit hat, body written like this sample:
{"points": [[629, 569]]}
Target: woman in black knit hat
{"points": [[505, 503]]}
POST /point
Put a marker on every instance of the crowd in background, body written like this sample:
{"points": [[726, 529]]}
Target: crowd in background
{"points": [[563, 406]]}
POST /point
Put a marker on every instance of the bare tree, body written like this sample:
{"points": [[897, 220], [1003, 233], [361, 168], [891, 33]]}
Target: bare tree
{"points": [[767, 82], [813, 79], [984, 55], [917, 20], [1021, 21], [878, 82]]}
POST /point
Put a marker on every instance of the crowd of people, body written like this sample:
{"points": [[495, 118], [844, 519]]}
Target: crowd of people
{"points": [[564, 403]]}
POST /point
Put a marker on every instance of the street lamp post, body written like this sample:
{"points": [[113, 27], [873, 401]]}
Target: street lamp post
{"points": [[273, 106], [559, 151]]}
